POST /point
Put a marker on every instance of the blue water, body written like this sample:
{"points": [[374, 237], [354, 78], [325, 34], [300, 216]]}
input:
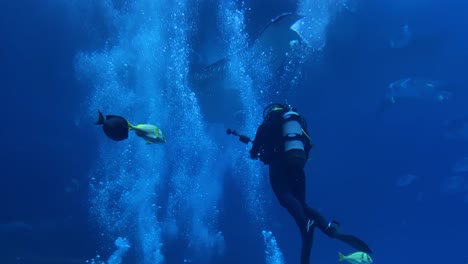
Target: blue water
{"points": [[70, 195]]}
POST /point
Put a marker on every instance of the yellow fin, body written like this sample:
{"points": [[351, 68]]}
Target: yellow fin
{"points": [[342, 257], [130, 126], [156, 132]]}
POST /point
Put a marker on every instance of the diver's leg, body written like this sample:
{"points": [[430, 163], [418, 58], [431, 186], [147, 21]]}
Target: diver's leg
{"points": [[307, 242], [295, 163], [331, 229], [297, 177], [298, 182], [299, 190], [282, 188], [306, 227], [318, 218], [293, 199]]}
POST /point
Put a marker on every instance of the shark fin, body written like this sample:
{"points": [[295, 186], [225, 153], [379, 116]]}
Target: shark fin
{"points": [[276, 38]]}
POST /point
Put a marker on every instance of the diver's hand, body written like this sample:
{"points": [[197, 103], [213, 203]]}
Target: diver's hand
{"points": [[253, 154]]}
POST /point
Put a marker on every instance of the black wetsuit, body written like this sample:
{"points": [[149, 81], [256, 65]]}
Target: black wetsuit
{"points": [[287, 178]]}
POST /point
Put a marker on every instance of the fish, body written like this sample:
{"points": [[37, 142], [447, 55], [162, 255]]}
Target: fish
{"points": [[219, 101], [277, 39], [416, 88], [411, 90], [355, 258], [150, 133], [115, 127]]}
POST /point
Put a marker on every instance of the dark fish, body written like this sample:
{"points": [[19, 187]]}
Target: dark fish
{"points": [[115, 127]]}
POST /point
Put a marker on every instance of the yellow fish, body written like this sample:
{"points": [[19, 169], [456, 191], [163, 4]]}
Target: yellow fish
{"points": [[150, 133], [356, 258]]}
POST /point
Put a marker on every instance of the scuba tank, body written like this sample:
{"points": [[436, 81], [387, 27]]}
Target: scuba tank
{"points": [[285, 132], [292, 131]]}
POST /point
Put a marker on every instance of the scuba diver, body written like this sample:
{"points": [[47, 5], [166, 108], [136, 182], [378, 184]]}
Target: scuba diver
{"points": [[282, 143], [116, 128]]}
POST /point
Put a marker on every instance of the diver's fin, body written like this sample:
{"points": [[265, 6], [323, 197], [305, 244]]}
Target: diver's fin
{"points": [[307, 242], [354, 242], [100, 120], [341, 256]]}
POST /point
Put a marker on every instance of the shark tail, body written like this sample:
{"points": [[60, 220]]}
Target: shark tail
{"points": [[100, 120]]}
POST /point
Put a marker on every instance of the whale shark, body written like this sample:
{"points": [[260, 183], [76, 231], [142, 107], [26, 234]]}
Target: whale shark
{"points": [[219, 99]]}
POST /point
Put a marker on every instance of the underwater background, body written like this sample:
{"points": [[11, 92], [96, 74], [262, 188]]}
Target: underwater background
{"points": [[397, 178]]}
